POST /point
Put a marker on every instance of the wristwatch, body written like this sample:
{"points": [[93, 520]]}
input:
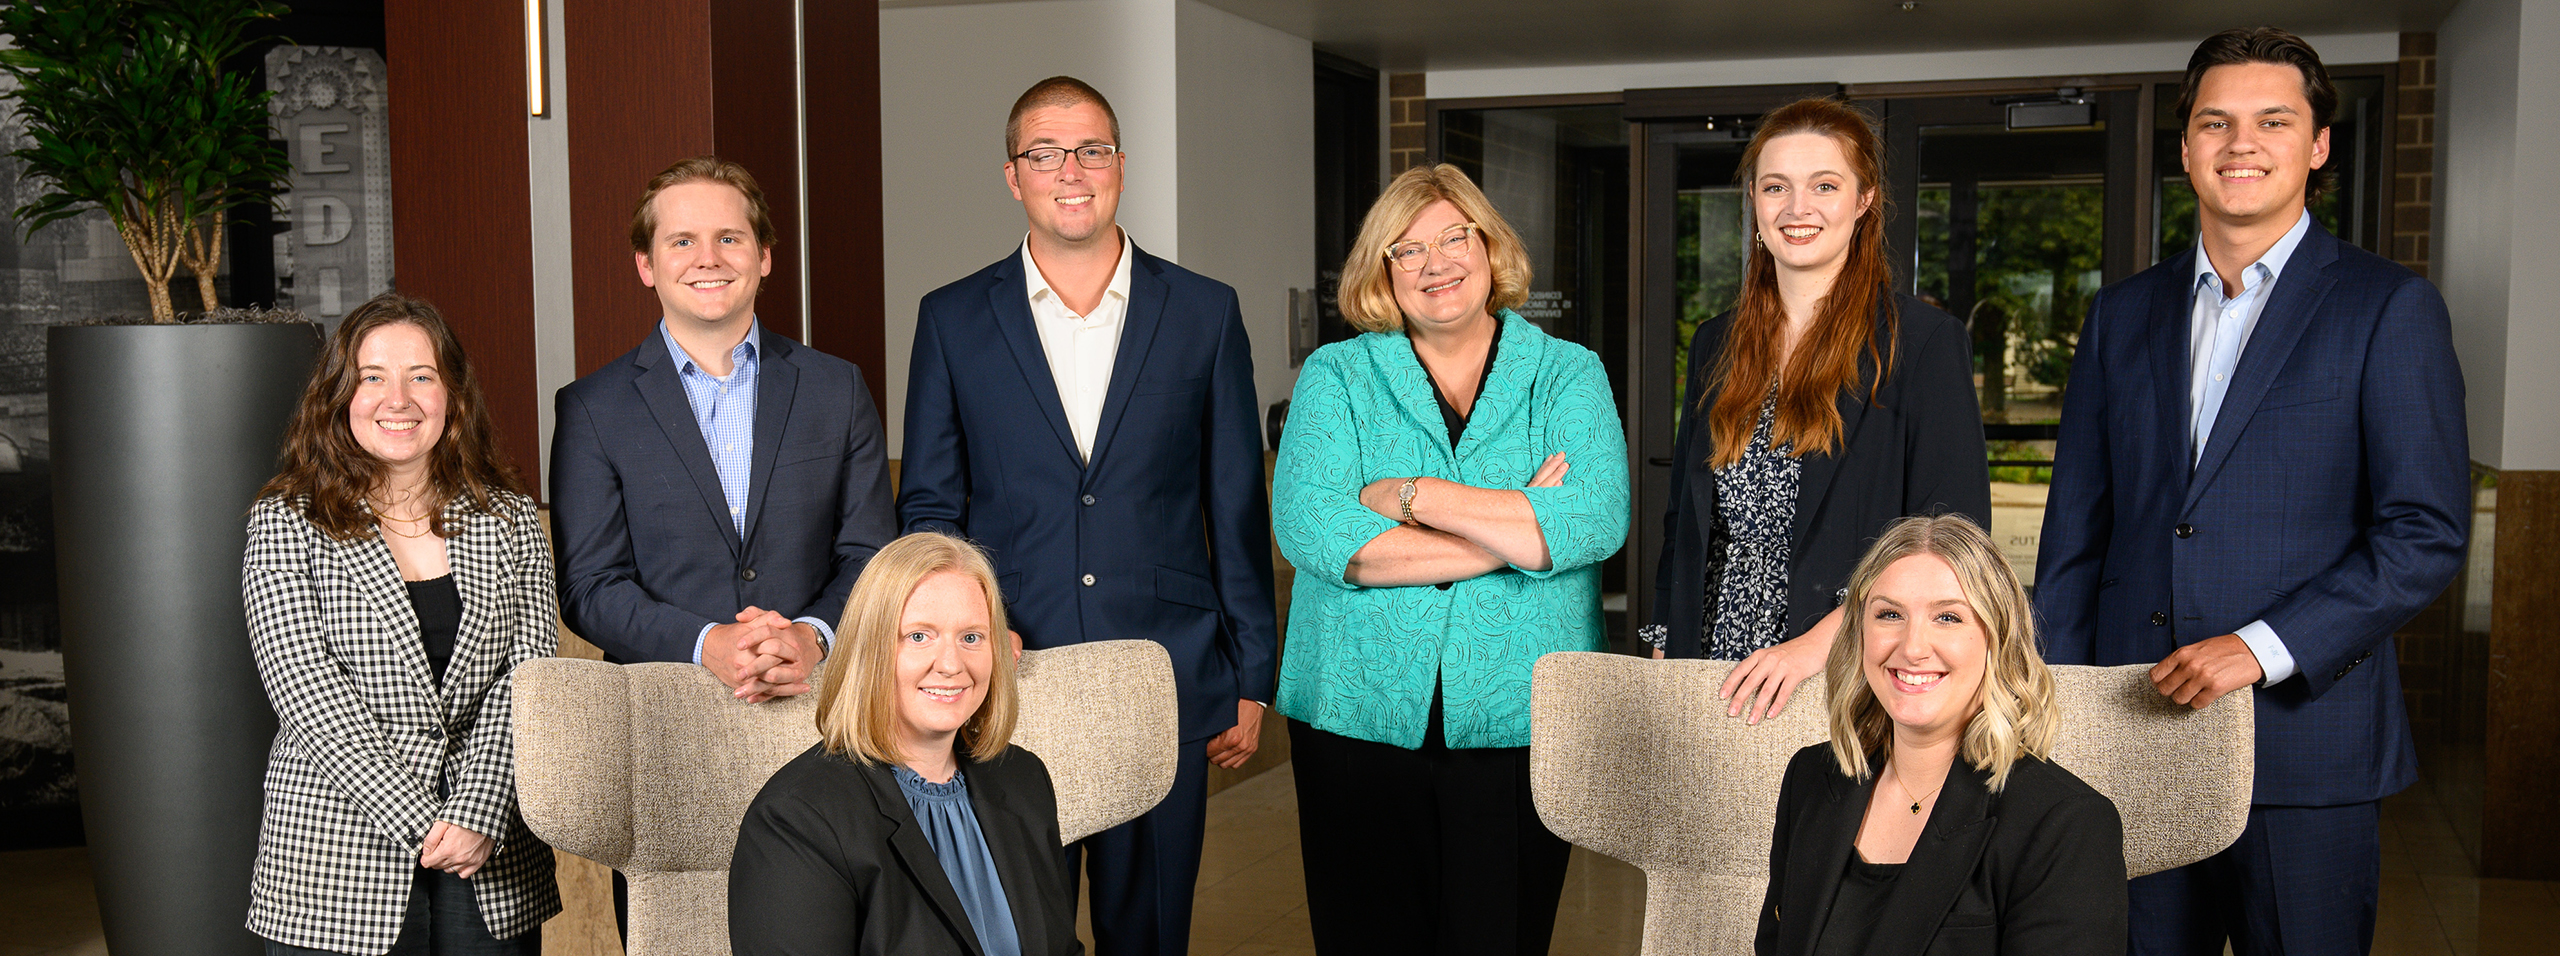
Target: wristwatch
{"points": [[1404, 498]]}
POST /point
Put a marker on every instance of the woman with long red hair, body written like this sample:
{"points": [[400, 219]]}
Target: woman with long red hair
{"points": [[1819, 409]]}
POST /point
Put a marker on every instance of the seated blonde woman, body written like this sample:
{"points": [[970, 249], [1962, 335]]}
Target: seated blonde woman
{"points": [[913, 826], [1931, 821]]}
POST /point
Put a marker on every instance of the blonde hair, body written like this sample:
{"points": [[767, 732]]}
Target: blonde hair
{"points": [[857, 697], [1367, 292], [2019, 715]]}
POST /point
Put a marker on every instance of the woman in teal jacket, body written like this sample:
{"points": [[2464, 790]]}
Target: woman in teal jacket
{"points": [[1447, 485]]}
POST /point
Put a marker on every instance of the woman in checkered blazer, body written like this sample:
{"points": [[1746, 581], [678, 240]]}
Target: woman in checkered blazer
{"points": [[396, 574]]}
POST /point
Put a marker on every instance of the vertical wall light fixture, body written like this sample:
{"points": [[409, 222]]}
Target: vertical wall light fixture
{"points": [[537, 77]]}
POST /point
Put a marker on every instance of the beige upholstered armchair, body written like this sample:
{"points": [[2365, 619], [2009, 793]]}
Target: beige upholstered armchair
{"points": [[648, 768], [1636, 760]]}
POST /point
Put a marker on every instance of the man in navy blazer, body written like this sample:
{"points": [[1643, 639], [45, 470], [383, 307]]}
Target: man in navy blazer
{"points": [[715, 491], [1085, 412], [2262, 473]]}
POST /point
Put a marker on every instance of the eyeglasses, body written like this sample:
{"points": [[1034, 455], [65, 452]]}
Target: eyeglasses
{"points": [[1452, 244], [1047, 158]]}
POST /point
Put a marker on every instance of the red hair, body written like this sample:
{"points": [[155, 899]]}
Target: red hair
{"points": [[1825, 360]]}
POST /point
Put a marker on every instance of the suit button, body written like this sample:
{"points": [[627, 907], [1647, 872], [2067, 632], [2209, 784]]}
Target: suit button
{"points": [[1088, 499], [2159, 619], [435, 731], [1088, 580], [747, 575], [2186, 530]]}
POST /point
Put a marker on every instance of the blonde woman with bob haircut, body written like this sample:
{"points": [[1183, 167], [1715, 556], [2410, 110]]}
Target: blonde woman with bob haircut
{"points": [[1932, 817], [914, 798], [1447, 486]]}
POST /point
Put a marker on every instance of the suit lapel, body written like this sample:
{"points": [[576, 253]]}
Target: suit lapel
{"points": [[1009, 300], [2298, 292], [1395, 359], [906, 839], [1507, 391], [1820, 468], [369, 561], [473, 555], [999, 816], [1816, 858], [2172, 370], [1147, 298], [1941, 865], [777, 380], [663, 392]]}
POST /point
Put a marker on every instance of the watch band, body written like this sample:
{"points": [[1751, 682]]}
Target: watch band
{"points": [[1404, 498]]}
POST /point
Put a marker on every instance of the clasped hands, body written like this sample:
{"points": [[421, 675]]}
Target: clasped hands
{"points": [[763, 656], [453, 849]]}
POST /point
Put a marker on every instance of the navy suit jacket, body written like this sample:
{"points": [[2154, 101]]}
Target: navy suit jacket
{"points": [[648, 554], [1166, 536], [2332, 500]]}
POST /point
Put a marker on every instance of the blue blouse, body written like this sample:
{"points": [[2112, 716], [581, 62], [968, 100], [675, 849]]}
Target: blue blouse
{"points": [[950, 826], [1362, 662]]}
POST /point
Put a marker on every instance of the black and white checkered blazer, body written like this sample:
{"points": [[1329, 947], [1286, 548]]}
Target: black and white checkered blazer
{"points": [[365, 735]]}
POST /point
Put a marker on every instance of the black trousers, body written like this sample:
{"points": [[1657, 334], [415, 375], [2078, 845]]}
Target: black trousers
{"points": [[1423, 851]]}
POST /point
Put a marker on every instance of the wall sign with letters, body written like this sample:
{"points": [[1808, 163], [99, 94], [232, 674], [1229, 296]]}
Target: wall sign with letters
{"points": [[329, 111]]}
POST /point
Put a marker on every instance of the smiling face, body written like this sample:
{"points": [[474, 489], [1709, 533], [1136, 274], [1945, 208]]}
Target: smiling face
{"points": [[945, 659], [1070, 205], [1445, 292], [1806, 201], [1924, 649], [2251, 144], [398, 411], [703, 261]]}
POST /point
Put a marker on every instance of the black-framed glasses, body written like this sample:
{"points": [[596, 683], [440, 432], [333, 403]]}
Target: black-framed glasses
{"points": [[1090, 156], [1451, 242]]}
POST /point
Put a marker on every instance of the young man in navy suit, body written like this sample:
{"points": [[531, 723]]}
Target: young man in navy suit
{"points": [[2262, 473], [715, 491], [1085, 412]]}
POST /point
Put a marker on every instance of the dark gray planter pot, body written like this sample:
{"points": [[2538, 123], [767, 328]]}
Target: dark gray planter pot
{"points": [[162, 435]]}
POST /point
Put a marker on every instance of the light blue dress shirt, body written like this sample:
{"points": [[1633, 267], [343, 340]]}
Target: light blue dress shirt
{"points": [[2219, 326], [724, 407]]}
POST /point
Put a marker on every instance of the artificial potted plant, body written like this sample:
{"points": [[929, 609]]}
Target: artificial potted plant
{"points": [[162, 431]]}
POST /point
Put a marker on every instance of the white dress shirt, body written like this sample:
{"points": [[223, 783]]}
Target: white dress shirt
{"points": [[2219, 326], [1080, 348]]}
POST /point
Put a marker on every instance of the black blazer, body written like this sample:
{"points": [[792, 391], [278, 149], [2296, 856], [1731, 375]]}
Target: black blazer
{"points": [[2037, 868], [647, 551], [830, 861], [1916, 448]]}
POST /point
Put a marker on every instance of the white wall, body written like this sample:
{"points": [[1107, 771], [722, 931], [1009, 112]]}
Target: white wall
{"points": [[1247, 113], [2498, 234], [1216, 112], [1878, 68], [555, 304]]}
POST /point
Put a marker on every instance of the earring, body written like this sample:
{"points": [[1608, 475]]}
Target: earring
{"points": [[1755, 237]]}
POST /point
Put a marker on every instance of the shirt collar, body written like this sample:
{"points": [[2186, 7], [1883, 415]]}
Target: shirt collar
{"points": [[2267, 268], [684, 361], [1119, 274]]}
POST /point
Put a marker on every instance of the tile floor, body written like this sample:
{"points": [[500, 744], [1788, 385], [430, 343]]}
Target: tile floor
{"points": [[1252, 896]]}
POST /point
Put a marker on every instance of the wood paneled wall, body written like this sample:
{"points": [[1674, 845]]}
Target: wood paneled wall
{"points": [[461, 206]]}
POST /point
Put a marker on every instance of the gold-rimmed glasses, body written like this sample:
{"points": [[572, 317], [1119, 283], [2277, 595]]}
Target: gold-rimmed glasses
{"points": [[1090, 156], [1409, 254]]}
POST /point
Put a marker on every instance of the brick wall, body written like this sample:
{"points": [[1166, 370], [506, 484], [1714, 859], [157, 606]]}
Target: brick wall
{"points": [[2413, 189], [1405, 122]]}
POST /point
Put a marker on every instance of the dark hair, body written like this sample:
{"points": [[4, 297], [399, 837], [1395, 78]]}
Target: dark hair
{"points": [[1826, 360], [702, 169], [2275, 47], [322, 465], [1055, 91]]}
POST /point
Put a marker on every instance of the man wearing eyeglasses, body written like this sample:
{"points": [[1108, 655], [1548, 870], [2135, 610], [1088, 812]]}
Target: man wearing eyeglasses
{"points": [[1086, 413]]}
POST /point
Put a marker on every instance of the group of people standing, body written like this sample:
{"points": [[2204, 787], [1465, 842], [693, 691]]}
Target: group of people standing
{"points": [[2261, 474]]}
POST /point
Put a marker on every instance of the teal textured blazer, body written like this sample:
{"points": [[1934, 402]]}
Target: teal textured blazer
{"points": [[1361, 662]]}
